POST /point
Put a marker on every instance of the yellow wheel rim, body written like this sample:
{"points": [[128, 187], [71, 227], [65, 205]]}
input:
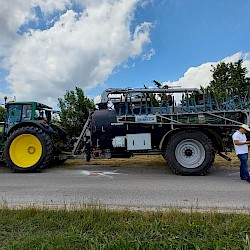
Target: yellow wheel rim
{"points": [[25, 150]]}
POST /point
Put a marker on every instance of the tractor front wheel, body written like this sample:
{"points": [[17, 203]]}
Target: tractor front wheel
{"points": [[28, 149]]}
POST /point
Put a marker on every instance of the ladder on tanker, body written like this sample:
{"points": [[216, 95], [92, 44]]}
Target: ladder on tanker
{"points": [[80, 139]]}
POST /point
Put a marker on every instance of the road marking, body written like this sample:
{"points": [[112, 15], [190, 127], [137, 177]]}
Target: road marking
{"points": [[99, 173], [236, 173]]}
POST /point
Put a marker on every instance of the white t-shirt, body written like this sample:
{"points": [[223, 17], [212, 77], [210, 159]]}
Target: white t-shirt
{"points": [[240, 149]]}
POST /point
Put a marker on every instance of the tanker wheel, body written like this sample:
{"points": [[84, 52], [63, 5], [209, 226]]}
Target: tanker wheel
{"points": [[28, 149], [189, 153]]}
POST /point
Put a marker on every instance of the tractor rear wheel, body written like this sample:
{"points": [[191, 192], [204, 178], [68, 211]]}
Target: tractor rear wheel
{"points": [[28, 149], [189, 153]]}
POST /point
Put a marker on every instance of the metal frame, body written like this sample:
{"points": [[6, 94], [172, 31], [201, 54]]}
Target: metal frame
{"points": [[210, 110]]}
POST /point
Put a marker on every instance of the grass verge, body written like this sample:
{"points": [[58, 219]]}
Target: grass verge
{"points": [[152, 160], [144, 160], [96, 228]]}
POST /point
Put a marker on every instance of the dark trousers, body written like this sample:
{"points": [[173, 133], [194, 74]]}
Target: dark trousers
{"points": [[244, 166]]}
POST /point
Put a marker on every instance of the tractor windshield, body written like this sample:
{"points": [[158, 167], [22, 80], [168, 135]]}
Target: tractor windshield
{"points": [[14, 114], [17, 113]]}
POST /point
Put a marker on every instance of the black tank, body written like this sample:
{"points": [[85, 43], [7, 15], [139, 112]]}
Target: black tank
{"points": [[103, 118]]}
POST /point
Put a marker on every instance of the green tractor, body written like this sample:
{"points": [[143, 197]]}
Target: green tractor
{"points": [[29, 139]]}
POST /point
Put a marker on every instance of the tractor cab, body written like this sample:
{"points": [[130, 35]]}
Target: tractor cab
{"points": [[17, 112]]}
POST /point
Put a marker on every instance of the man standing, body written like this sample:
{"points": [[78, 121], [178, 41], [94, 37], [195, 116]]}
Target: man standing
{"points": [[241, 150]]}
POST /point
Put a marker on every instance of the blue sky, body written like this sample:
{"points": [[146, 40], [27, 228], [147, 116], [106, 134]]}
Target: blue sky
{"points": [[48, 47]]}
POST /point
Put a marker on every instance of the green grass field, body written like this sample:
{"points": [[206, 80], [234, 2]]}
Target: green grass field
{"points": [[93, 228]]}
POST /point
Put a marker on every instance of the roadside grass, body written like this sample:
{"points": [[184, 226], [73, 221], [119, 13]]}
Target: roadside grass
{"points": [[152, 160], [144, 160], [99, 228]]}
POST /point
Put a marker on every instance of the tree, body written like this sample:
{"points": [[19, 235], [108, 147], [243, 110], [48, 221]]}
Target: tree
{"points": [[2, 114], [230, 77], [75, 109]]}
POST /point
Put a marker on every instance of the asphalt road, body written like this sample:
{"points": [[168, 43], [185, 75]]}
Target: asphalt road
{"points": [[134, 186]]}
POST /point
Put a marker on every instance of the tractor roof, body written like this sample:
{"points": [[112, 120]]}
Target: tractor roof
{"points": [[38, 104]]}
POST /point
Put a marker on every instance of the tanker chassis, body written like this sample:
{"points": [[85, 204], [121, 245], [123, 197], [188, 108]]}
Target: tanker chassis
{"points": [[147, 121]]}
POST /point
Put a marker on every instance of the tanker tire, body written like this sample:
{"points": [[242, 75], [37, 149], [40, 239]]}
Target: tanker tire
{"points": [[189, 153], [28, 149]]}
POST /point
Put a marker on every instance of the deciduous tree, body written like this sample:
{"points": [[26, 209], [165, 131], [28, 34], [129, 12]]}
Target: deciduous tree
{"points": [[2, 114], [230, 77], [75, 107]]}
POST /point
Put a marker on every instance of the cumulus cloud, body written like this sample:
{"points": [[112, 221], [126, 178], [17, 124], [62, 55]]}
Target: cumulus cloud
{"points": [[81, 47], [15, 13], [12, 15], [201, 75]]}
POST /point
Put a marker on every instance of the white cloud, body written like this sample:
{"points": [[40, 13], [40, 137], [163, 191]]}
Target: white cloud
{"points": [[201, 75], [15, 13], [97, 99], [12, 15], [147, 56], [79, 49], [49, 6]]}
